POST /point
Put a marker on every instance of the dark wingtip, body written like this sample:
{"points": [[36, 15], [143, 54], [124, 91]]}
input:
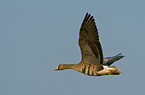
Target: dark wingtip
{"points": [[87, 14], [87, 17], [120, 54]]}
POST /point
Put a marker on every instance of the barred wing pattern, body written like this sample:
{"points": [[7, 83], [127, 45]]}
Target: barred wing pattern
{"points": [[90, 46]]}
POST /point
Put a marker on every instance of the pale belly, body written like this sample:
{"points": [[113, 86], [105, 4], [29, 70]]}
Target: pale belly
{"points": [[108, 71], [103, 72]]}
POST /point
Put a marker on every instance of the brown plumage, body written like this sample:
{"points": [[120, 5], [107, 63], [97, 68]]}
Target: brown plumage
{"points": [[92, 62]]}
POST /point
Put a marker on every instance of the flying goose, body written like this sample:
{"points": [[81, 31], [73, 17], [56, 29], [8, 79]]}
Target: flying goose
{"points": [[92, 62]]}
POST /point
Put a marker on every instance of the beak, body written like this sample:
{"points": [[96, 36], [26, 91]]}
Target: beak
{"points": [[56, 69]]}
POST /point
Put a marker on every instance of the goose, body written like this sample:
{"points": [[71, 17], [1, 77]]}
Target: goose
{"points": [[93, 63]]}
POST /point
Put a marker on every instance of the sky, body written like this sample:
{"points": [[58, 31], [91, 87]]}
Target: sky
{"points": [[38, 35]]}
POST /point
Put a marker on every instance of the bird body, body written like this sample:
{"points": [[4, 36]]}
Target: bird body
{"points": [[91, 69], [93, 63]]}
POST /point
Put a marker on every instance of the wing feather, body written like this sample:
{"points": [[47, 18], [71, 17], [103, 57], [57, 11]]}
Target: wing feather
{"points": [[110, 60], [90, 46]]}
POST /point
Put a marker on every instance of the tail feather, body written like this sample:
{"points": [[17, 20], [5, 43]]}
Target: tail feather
{"points": [[115, 70]]}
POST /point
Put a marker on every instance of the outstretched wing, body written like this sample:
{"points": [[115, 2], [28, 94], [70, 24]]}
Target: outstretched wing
{"points": [[90, 46], [109, 60]]}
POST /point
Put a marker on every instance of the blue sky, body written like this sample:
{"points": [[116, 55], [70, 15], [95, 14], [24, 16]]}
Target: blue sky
{"points": [[38, 35]]}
